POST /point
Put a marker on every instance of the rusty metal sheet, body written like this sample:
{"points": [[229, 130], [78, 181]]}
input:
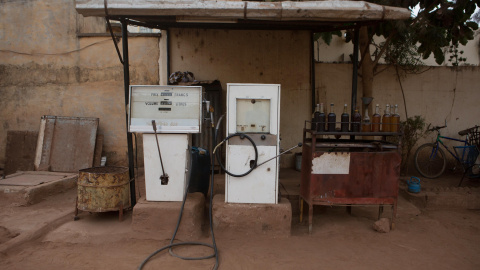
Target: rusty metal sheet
{"points": [[371, 175], [102, 189], [20, 151], [372, 178], [66, 144], [306, 172]]}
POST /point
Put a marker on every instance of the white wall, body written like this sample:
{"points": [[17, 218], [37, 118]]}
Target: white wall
{"points": [[338, 51]]}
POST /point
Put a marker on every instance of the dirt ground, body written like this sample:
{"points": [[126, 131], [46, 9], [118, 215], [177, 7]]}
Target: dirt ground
{"points": [[48, 238]]}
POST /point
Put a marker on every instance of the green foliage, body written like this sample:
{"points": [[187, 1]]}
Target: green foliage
{"points": [[413, 130], [441, 23], [404, 53], [438, 24], [456, 56], [326, 36]]}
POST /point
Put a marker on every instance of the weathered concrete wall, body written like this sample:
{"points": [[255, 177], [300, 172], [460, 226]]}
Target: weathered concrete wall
{"points": [[439, 94], [91, 87], [46, 69], [279, 57]]}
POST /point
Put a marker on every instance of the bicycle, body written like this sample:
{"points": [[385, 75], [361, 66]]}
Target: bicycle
{"points": [[430, 159]]}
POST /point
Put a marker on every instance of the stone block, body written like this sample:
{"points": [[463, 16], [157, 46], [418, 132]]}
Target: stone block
{"points": [[382, 225], [159, 219], [251, 219], [27, 188]]}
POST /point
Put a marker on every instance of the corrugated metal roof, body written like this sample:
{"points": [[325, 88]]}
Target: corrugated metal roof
{"points": [[242, 14]]}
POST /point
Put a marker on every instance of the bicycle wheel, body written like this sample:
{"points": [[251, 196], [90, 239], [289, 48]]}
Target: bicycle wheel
{"points": [[430, 160]]}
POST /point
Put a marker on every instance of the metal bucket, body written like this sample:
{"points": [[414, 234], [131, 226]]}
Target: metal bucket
{"points": [[102, 189]]}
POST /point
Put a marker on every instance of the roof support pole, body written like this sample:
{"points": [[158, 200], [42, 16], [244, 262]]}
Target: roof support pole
{"points": [[354, 73], [312, 70], [168, 55], [355, 69], [126, 83]]}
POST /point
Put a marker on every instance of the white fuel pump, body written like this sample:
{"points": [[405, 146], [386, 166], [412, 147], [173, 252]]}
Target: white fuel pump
{"points": [[253, 110], [177, 113]]}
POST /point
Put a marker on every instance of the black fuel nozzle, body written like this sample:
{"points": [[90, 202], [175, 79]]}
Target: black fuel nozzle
{"points": [[164, 176], [154, 125], [164, 179]]}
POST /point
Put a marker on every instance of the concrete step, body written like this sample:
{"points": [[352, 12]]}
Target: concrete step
{"points": [[444, 197]]}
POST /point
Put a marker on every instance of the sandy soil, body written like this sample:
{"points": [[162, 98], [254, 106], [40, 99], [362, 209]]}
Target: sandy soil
{"points": [[440, 239]]}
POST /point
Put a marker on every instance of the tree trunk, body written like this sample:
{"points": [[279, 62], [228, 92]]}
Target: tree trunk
{"points": [[367, 64]]}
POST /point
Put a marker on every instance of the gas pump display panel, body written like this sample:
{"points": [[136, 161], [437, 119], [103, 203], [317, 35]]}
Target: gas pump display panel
{"points": [[253, 115], [175, 109], [253, 109]]}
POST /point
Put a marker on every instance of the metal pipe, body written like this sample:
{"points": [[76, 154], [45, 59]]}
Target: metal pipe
{"points": [[126, 84], [111, 31], [355, 69], [289, 149], [168, 55], [312, 70], [354, 73]]}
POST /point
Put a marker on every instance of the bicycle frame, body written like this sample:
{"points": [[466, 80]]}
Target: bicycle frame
{"points": [[439, 140], [431, 160]]}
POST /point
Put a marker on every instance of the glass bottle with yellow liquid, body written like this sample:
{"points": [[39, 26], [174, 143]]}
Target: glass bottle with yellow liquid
{"points": [[386, 120], [376, 119], [395, 120]]}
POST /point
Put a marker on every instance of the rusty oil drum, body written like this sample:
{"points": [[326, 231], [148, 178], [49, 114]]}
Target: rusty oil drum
{"points": [[102, 189]]}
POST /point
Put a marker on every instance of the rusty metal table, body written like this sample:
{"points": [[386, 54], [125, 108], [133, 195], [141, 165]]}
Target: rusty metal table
{"points": [[348, 172]]}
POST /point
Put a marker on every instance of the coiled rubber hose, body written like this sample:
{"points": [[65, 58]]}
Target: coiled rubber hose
{"points": [[242, 136]]}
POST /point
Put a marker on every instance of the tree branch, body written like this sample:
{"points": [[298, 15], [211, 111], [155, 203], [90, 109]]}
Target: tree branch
{"points": [[403, 93], [384, 48], [363, 55]]}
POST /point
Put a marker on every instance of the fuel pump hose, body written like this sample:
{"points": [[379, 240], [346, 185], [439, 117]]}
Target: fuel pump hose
{"points": [[189, 243], [192, 243], [242, 136]]}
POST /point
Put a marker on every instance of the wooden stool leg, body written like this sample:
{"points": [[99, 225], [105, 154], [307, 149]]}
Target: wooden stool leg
{"points": [[394, 215], [349, 209], [120, 213], [380, 211], [310, 218], [75, 218], [301, 209]]}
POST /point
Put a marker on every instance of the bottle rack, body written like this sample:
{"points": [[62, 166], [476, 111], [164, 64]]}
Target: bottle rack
{"points": [[348, 171], [308, 124]]}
